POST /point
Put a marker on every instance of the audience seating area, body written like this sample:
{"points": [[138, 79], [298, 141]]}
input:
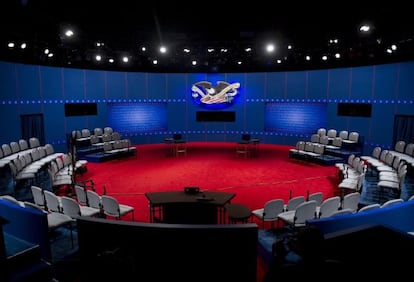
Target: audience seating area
{"points": [[341, 215], [327, 147], [102, 144]]}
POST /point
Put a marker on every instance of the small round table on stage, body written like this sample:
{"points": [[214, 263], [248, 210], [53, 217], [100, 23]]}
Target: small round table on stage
{"points": [[237, 213]]}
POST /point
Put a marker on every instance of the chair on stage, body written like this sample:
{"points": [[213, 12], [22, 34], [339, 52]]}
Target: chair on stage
{"points": [[38, 196], [111, 207], [317, 196], [270, 211], [351, 201], [328, 207], [94, 200], [299, 216], [242, 149], [294, 202], [81, 195], [53, 202], [73, 209]]}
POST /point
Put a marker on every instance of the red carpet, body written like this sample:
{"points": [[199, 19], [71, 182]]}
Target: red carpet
{"points": [[210, 166]]}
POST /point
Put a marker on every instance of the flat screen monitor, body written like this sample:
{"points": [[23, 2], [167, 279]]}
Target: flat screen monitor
{"points": [[354, 109], [221, 116], [81, 109]]}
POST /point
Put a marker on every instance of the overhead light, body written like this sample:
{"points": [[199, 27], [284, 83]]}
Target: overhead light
{"points": [[69, 33], [364, 28], [270, 48], [163, 49]]}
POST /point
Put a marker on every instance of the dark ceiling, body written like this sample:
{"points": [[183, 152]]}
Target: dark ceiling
{"points": [[126, 26]]}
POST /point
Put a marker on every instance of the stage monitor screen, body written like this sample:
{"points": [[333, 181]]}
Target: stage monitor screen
{"points": [[354, 109], [223, 116], [81, 109]]}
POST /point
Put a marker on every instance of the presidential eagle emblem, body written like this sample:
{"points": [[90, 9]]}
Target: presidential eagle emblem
{"points": [[224, 92]]}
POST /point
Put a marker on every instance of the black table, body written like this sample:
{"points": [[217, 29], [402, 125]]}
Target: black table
{"points": [[188, 208]]}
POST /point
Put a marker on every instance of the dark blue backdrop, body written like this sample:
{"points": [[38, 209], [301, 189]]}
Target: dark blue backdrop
{"points": [[166, 103]]}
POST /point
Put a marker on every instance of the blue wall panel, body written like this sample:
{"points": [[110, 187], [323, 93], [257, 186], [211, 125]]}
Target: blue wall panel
{"points": [[362, 83], [178, 87], [296, 85], [386, 82], [94, 85], [339, 83], [137, 86], [10, 123], [116, 86], [51, 83], [157, 85], [317, 84], [406, 82], [253, 86], [27, 82], [73, 84], [275, 85], [8, 86]]}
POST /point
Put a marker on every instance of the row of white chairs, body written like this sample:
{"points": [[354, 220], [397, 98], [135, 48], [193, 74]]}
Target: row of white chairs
{"points": [[346, 137], [95, 205], [9, 152], [85, 133], [27, 165], [300, 209], [305, 149], [391, 168], [404, 151]]}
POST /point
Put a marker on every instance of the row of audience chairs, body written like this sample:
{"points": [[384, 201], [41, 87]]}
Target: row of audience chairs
{"points": [[390, 166], [86, 203], [85, 134], [12, 150], [346, 136], [314, 208], [300, 209]]}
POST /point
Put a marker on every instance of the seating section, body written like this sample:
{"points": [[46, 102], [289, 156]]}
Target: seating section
{"points": [[327, 146], [26, 163], [102, 144]]}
